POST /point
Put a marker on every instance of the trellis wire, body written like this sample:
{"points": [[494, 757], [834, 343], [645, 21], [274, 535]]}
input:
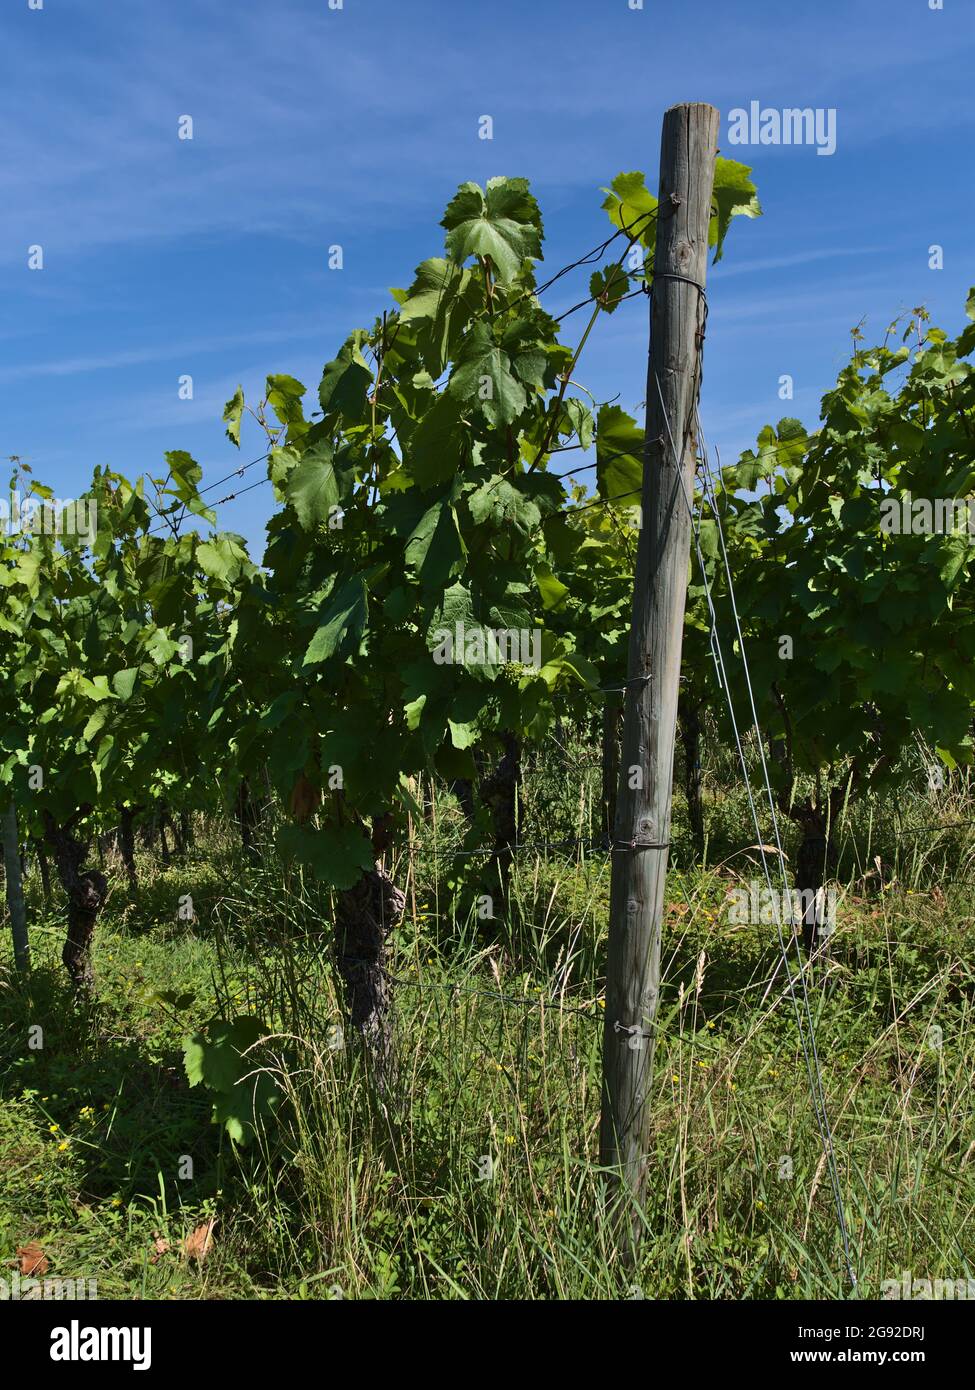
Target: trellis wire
{"points": [[587, 258], [810, 1052]]}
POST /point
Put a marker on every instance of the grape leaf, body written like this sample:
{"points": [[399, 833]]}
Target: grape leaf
{"points": [[344, 614], [502, 221], [312, 487], [734, 196]]}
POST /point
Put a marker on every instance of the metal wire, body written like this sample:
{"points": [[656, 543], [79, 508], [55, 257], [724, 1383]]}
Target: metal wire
{"points": [[810, 1053]]}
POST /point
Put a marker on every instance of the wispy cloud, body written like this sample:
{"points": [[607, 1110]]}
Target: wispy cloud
{"points": [[313, 126], [162, 351], [306, 117]]}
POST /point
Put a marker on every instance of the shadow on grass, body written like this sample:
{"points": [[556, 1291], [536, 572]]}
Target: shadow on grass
{"points": [[128, 1115]]}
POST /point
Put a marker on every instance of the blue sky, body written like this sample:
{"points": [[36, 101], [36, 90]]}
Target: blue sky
{"points": [[315, 126]]}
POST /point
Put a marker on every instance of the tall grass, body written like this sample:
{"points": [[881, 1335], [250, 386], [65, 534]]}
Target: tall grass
{"points": [[475, 1173]]}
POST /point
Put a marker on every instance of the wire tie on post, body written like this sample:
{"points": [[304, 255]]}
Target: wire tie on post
{"points": [[641, 844], [684, 279], [634, 1029], [633, 680]]}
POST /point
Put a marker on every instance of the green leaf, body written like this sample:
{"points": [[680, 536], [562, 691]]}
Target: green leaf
{"points": [[232, 413], [27, 567], [185, 475], [435, 550], [527, 354], [312, 487], [482, 377], [581, 668], [254, 1100], [170, 997], [503, 505], [214, 1058], [223, 558], [619, 456], [161, 648], [413, 710], [571, 666], [435, 287], [461, 735], [96, 723], [194, 1058], [748, 471], [345, 614], [284, 395], [243, 1095], [97, 689], [435, 446], [734, 196], [954, 554], [502, 221], [123, 682], [552, 590], [630, 206], [577, 420], [455, 607], [345, 385], [338, 855], [435, 301], [608, 287]]}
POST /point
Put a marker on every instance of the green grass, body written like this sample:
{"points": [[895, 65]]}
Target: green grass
{"points": [[349, 1194]]}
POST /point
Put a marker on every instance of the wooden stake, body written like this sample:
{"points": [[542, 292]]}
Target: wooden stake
{"points": [[642, 830]]}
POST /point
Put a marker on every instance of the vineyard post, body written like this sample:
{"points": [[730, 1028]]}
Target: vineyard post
{"points": [[641, 834], [15, 885]]}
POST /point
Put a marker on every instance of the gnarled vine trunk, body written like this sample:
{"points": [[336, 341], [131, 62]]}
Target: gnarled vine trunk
{"points": [[13, 875], [86, 891], [366, 914], [815, 864], [463, 789], [499, 792], [126, 842], [44, 866], [247, 813]]}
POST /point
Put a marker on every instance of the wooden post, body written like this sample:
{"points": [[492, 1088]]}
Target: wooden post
{"points": [[642, 830], [15, 886]]}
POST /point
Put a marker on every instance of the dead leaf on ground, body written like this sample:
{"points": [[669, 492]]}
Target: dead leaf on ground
{"points": [[32, 1260], [197, 1245], [160, 1246]]}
